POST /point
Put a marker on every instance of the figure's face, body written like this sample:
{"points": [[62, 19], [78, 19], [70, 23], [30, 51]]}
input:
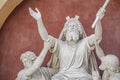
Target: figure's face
{"points": [[72, 33], [28, 58], [27, 63], [103, 65]]}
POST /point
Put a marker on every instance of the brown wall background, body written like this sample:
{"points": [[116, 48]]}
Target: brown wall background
{"points": [[19, 33]]}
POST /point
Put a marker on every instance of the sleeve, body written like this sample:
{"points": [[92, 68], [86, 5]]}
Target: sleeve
{"points": [[55, 48], [54, 61]]}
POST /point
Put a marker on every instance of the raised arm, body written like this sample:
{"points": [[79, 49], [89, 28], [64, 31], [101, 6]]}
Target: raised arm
{"points": [[98, 27], [97, 36], [41, 28]]}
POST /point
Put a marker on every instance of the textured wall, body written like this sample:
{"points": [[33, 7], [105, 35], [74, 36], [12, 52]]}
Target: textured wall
{"points": [[19, 32]]}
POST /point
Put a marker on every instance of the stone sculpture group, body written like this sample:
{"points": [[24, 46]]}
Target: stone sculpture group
{"points": [[72, 54]]}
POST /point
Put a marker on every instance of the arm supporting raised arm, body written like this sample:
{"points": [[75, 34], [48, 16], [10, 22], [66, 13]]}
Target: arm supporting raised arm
{"points": [[99, 51], [39, 60], [37, 63]]}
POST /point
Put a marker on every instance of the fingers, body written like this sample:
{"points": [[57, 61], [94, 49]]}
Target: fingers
{"points": [[29, 8], [37, 11], [49, 42], [101, 11], [31, 11]]}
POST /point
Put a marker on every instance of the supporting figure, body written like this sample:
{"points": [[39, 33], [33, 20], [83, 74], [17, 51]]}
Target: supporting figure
{"points": [[27, 59], [73, 51], [109, 64], [32, 66]]}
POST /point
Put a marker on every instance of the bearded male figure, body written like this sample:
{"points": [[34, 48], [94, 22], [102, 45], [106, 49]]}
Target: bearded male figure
{"points": [[72, 52]]}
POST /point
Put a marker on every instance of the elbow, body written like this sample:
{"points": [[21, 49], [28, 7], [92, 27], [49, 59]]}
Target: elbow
{"points": [[98, 39]]}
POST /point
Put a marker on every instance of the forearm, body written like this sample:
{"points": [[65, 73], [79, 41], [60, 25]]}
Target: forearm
{"points": [[97, 36], [98, 31], [41, 29], [99, 51]]}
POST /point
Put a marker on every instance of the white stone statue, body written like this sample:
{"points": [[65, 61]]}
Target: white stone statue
{"points": [[73, 57], [109, 64], [27, 59], [32, 63]]}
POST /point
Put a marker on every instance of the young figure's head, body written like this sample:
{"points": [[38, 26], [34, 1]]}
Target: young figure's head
{"points": [[110, 63], [73, 29], [28, 58]]}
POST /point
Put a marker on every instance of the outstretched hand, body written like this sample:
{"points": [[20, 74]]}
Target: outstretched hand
{"points": [[35, 14], [49, 43]]}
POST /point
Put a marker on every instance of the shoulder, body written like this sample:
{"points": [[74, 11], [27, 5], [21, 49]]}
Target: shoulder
{"points": [[89, 42], [21, 72], [89, 38]]}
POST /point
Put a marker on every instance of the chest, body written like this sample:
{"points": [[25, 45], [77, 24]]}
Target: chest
{"points": [[70, 51]]}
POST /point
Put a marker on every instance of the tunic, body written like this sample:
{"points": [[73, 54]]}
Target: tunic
{"points": [[73, 60]]}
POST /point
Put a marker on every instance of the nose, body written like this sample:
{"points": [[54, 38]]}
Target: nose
{"points": [[72, 26], [102, 67]]}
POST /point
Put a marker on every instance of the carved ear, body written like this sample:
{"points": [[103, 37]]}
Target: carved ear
{"points": [[76, 17], [67, 18]]}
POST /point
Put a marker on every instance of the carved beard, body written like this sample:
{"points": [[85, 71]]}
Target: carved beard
{"points": [[72, 35]]}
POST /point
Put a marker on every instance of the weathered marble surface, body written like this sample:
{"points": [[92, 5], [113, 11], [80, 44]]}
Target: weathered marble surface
{"points": [[73, 57]]}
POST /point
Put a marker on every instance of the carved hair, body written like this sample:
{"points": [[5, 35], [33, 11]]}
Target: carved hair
{"points": [[112, 62], [29, 55], [78, 23], [75, 20]]}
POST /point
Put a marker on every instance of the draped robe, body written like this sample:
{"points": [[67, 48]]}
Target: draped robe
{"points": [[74, 62]]}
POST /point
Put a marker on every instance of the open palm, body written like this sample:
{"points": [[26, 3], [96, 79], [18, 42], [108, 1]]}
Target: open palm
{"points": [[35, 14]]}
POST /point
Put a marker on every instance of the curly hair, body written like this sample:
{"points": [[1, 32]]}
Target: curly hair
{"points": [[29, 55], [112, 62]]}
